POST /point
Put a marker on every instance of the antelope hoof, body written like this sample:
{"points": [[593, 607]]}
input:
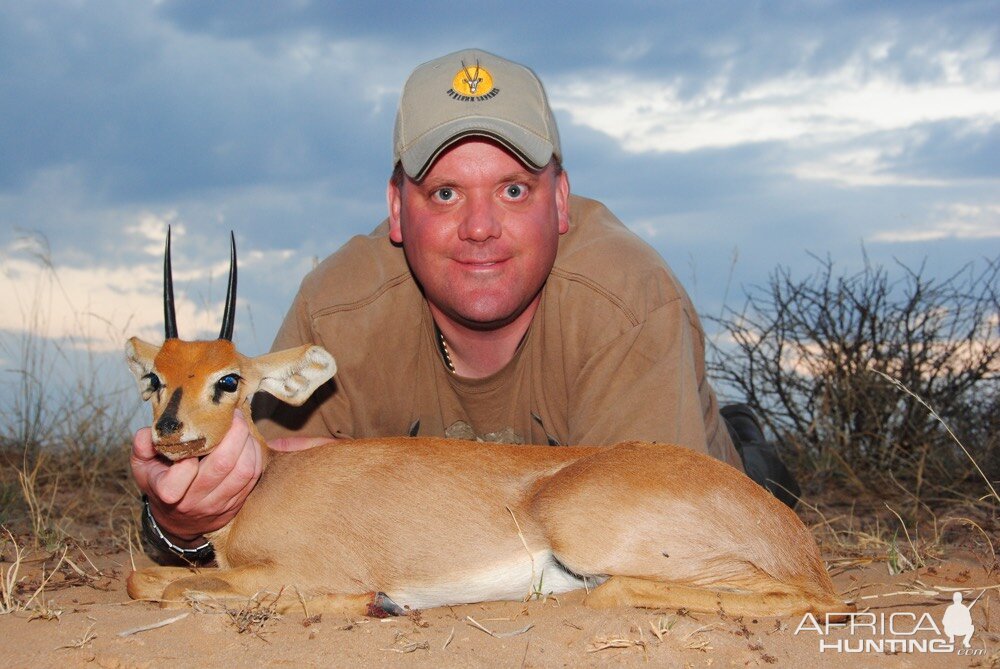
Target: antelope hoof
{"points": [[383, 607]]}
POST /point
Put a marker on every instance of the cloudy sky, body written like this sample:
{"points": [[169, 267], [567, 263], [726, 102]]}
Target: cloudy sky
{"points": [[734, 136]]}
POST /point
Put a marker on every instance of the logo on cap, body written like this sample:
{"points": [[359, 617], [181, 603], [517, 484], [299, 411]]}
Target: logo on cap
{"points": [[472, 84]]}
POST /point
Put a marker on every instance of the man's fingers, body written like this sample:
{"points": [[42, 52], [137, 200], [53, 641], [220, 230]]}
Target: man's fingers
{"points": [[143, 460], [216, 467], [240, 465], [170, 484], [142, 444], [238, 485]]}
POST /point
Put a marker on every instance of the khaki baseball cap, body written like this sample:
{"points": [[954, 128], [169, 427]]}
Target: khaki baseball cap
{"points": [[473, 92]]}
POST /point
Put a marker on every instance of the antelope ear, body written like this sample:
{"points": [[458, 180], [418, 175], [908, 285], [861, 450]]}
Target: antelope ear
{"points": [[293, 375], [140, 356]]}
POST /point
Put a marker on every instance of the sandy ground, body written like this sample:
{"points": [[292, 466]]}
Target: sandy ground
{"points": [[92, 622]]}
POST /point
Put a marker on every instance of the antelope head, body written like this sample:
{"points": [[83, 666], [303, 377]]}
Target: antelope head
{"points": [[195, 386]]}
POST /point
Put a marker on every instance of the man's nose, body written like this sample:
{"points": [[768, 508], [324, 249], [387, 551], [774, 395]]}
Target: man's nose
{"points": [[481, 221]]}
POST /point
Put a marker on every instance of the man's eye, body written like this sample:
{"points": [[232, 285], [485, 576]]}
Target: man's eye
{"points": [[444, 194], [515, 191]]}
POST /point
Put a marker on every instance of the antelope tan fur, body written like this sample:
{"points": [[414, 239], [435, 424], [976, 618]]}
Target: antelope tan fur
{"points": [[372, 526]]}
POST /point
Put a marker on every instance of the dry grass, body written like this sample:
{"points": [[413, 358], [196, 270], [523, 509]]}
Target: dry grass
{"points": [[16, 593], [47, 530], [65, 410], [250, 616], [82, 642], [63, 453], [903, 529], [662, 626], [873, 530], [634, 639], [10, 577], [253, 616], [934, 414], [497, 635], [403, 644], [663, 629]]}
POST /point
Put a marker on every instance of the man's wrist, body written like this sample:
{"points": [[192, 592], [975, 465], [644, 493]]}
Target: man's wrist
{"points": [[166, 549]]}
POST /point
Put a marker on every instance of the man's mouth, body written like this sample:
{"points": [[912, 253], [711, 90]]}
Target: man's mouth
{"points": [[474, 263]]}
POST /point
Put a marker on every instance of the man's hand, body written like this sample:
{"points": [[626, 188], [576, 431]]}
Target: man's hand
{"points": [[192, 496], [298, 443]]}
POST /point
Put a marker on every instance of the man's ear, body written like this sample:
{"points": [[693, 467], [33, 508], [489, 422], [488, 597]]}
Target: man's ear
{"points": [[562, 201], [294, 374], [140, 357], [394, 200]]}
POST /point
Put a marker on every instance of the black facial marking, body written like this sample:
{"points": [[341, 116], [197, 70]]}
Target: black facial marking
{"points": [[168, 423]]}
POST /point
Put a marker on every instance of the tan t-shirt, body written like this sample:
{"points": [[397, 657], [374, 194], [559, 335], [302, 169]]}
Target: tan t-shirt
{"points": [[615, 351]]}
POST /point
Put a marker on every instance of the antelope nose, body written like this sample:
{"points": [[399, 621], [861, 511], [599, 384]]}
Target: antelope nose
{"points": [[168, 425]]}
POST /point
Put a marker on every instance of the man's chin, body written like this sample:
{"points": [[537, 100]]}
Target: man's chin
{"points": [[483, 323], [487, 316]]}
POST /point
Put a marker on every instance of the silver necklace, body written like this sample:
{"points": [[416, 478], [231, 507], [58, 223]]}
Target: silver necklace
{"points": [[444, 352]]}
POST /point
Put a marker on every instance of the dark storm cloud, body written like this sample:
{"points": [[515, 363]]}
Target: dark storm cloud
{"points": [[147, 113], [275, 118]]}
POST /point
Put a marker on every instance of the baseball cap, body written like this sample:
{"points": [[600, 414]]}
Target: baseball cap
{"points": [[473, 93]]}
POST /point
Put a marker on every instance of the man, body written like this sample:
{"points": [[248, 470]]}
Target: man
{"points": [[490, 304]]}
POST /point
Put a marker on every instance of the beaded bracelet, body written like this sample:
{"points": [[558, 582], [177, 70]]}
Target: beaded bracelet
{"points": [[152, 531]]}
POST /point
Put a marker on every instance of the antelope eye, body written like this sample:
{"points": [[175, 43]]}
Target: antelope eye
{"points": [[228, 383], [154, 382]]}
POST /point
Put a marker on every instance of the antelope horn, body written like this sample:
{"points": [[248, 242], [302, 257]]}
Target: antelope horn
{"points": [[169, 317], [229, 315]]}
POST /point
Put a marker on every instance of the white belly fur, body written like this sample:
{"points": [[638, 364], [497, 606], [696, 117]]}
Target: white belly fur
{"points": [[512, 581]]}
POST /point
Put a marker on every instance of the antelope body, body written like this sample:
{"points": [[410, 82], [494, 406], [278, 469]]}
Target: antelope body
{"points": [[369, 526]]}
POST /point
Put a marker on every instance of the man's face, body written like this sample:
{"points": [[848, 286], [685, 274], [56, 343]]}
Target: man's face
{"points": [[480, 232]]}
